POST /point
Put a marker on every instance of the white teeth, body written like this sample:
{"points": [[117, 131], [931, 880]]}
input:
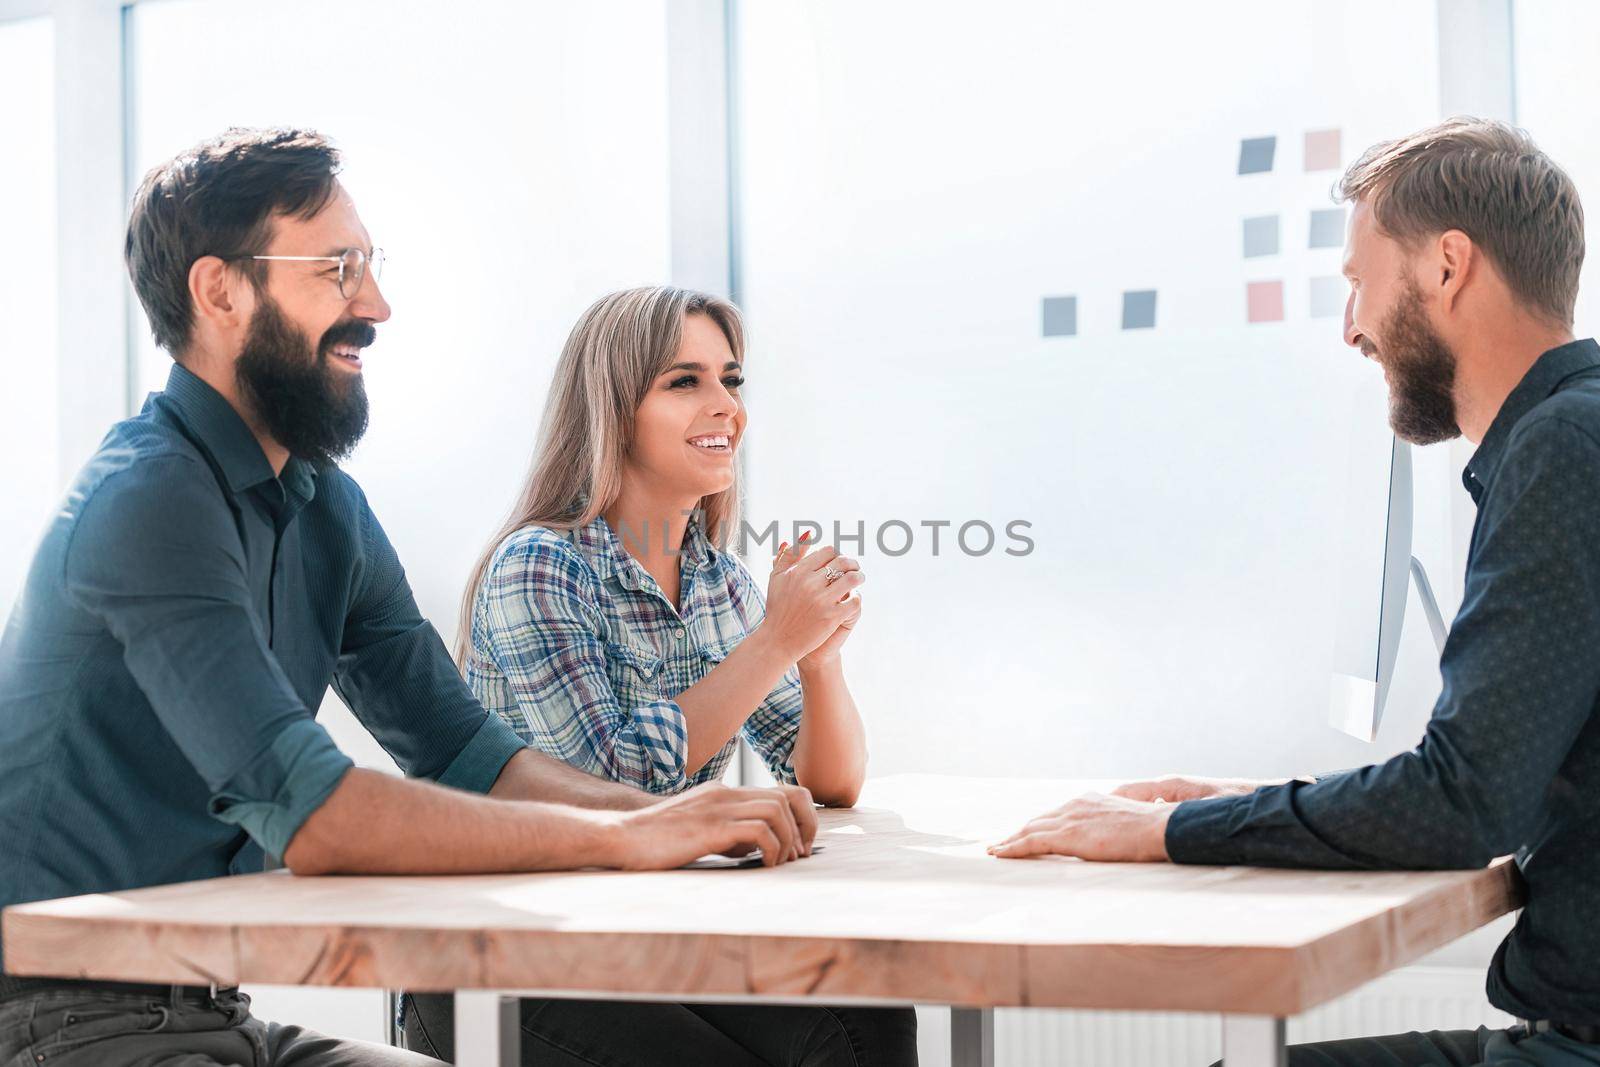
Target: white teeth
{"points": [[714, 441]]}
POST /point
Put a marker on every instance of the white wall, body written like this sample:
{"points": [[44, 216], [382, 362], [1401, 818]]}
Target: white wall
{"points": [[917, 177], [1558, 84]]}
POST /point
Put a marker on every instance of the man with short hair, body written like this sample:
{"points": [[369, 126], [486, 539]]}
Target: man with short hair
{"points": [[209, 574], [1464, 252]]}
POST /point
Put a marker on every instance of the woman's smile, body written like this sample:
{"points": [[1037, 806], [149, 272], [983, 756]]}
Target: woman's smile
{"points": [[716, 444]]}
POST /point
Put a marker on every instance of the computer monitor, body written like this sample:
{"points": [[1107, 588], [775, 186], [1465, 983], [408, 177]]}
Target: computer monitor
{"points": [[1366, 646]]}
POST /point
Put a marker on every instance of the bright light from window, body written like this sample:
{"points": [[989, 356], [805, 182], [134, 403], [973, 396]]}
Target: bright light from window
{"points": [[27, 293]]}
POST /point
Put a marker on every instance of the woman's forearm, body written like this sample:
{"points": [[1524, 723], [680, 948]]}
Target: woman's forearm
{"points": [[830, 752], [716, 706], [533, 775]]}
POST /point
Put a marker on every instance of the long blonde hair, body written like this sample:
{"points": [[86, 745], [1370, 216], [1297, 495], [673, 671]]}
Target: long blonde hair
{"points": [[613, 355]]}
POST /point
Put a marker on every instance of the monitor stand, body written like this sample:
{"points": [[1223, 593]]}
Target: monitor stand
{"points": [[1430, 606]]}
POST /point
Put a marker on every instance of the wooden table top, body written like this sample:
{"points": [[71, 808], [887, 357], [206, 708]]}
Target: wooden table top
{"points": [[903, 905]]}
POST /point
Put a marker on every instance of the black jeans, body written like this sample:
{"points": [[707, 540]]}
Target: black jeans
{"points": [[628, 1034], [85, 1027], [1449, 1048]]}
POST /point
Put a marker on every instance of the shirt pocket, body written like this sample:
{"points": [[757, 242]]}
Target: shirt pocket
{"points": [[710, 655], [635, 675], [714, 652]]}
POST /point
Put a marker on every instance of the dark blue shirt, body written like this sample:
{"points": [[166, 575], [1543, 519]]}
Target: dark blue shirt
{"points": [[180, 624], [1510, 761]]}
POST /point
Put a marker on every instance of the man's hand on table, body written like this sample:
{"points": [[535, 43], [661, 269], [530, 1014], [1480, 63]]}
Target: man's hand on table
{"points": [[713, 818], [1094, 827], [1130, 825], [1176, 788]]}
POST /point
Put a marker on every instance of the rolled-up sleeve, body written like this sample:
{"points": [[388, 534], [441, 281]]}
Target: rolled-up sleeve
{"points": [[539, 619], [158, 560], [296, 773], [397, 677]]}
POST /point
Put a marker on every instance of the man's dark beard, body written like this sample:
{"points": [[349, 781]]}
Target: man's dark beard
{"points": [[299, 398], [1422, 373]]}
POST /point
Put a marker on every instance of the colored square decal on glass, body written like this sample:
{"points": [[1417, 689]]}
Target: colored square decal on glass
{"points": [[1264, 302], [1327, 228], [1139, 309], [1261, 236], [1322, 150], [1060, 316], [1255, 154], [1328, 297]]}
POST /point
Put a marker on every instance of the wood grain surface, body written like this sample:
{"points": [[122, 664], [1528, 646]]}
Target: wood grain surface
{"points": [[903, 906]]}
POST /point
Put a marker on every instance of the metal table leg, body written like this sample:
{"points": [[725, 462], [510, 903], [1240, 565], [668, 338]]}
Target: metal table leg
{"points": [[1253, 1041], [488, 1029], [971, 1037], [391, 1019]]}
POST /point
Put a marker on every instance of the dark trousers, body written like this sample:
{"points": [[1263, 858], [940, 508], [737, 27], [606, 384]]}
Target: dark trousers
{"points": [[1449, 1048], [85, 1027], [627, 1034]]}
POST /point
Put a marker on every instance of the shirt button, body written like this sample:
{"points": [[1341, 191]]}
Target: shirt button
{"points": [[679, 632]]}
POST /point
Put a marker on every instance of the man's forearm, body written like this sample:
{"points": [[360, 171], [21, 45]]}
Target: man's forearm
{"points": [[532, 775], [374, 823]]}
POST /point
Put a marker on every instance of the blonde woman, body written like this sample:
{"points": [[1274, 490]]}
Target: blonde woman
{"points": [[610, 626]]}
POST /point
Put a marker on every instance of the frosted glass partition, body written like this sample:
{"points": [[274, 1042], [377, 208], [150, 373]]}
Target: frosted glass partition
{"points": [[1075, 265], [1557, 86], [511, 159], [27, 294]]}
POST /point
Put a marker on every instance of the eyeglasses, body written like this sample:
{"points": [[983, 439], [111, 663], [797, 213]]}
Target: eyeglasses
{"points": [[353, 266]]}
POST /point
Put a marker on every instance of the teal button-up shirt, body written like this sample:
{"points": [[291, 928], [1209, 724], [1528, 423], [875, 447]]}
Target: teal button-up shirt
{"points": [[180, 624]]}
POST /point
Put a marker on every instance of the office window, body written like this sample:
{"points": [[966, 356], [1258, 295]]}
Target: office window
{"points": [[512, 161], [513, 167], [28, 478], [920, 179]]}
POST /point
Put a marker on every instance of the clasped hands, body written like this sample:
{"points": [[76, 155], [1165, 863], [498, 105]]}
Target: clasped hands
{"points": [[1128, 826], [812, 604]]}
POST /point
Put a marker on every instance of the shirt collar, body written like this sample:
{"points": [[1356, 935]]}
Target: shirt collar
{"points": [[603, 548], [696, 545], [597, 544], [1544, 378], [223, 435]]}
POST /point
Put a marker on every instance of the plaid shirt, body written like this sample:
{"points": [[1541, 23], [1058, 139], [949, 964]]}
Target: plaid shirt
{"points": [[575, 646]]}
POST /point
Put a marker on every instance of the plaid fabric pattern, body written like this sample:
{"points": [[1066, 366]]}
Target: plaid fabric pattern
{"points": [[577, 649]]}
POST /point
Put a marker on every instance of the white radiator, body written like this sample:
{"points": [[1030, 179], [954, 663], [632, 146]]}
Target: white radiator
{"points": [[1416, 998]]}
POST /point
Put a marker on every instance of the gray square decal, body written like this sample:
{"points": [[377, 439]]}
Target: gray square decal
{"points": [[1139, 309], [1060, 316], [1255, 154], [1327, 228], [1261, 236]]}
